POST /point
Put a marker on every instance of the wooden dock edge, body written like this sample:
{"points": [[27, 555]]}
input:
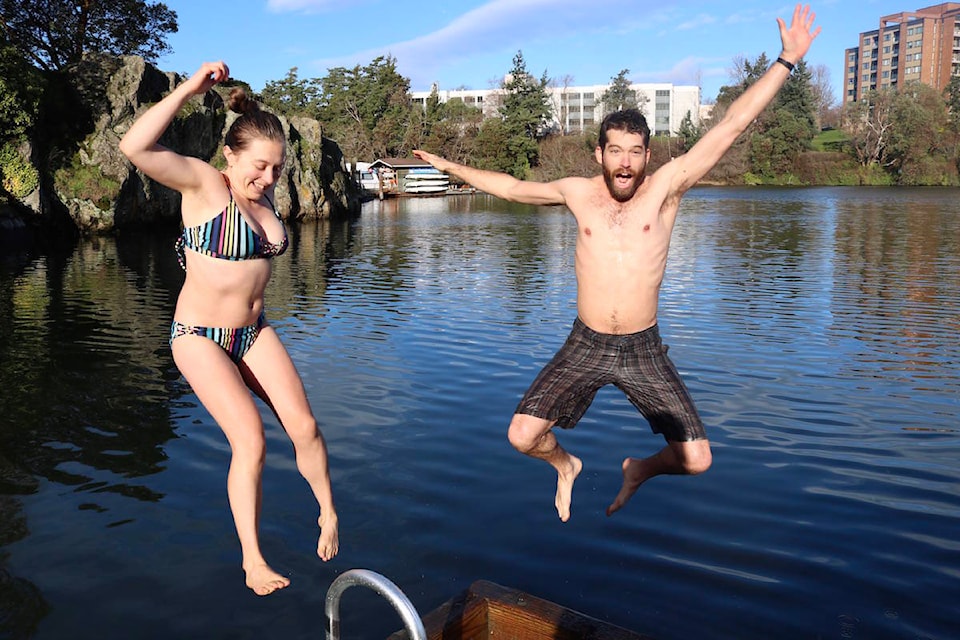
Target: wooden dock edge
{"points": [[488, 611]]}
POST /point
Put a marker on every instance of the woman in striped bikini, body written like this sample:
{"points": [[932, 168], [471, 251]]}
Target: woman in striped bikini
{"points": [[220, 338]]}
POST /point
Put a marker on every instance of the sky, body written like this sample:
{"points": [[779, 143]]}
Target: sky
{"points": [[471, 43]]}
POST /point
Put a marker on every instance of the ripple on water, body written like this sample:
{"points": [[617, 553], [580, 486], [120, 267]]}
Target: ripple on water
{"points": [[816, 330]]}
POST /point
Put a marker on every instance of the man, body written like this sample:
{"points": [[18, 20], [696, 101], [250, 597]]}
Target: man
{"points": [[625, 218]]}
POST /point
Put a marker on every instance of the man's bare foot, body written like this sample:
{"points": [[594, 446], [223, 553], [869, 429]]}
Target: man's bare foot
{"points": [[329, 543], [565, 487], [263, 580], [634, 474]]}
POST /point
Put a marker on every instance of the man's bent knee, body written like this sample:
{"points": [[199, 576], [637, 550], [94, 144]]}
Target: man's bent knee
{"points": [[694, 456], [526, 431]]}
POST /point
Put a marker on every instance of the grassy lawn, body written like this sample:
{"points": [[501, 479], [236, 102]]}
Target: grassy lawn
{"points": [[830, 140]]}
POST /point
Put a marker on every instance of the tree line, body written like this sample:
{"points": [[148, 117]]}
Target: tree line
{"points": [[369, 111], [905, 135]]}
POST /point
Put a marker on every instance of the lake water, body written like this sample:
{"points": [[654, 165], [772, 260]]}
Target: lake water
{"points": [[817, 330]]}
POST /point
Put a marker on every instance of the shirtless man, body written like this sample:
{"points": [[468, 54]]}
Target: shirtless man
{"points": [[625, 218]]}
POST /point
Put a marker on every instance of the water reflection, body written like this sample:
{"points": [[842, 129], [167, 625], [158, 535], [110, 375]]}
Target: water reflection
{"points": [[816, 329], [894, 264]]}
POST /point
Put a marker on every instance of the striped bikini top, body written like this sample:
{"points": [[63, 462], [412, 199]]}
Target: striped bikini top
{"points": [[228, 236]]}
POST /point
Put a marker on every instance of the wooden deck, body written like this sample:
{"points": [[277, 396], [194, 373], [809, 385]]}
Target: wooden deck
{"points": [[488, 611]]}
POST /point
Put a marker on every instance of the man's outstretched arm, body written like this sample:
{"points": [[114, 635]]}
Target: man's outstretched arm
{"points": [[692, 166], [498, 184]]}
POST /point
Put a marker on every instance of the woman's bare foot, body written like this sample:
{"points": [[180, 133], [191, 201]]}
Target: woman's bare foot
{"points": [[263, 580], [635, 472], [565, 487], [329, 543]]}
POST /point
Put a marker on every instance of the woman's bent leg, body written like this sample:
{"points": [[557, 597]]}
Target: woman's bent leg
{"points": [[219, 386], [272, 375]]}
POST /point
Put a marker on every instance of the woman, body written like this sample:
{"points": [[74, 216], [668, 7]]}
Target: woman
{"points": [[220, 338]]}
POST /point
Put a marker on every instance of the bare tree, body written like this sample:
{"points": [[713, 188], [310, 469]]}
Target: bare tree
{"points": [[823, 95], [868, 122], [561, 106], [739, 70]]}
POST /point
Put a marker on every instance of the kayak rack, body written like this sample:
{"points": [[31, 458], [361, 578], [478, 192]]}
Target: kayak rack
{"points": [[384, 587]]}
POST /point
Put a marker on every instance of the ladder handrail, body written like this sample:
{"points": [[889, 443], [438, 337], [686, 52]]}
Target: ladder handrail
{"points": [[383, 586]]}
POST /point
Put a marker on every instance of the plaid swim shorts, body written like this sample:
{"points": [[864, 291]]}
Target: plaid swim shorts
{"points": [[635, 363]]}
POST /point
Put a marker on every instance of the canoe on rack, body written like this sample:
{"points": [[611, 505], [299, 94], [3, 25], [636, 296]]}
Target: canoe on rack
{"points": [[488, 611]]}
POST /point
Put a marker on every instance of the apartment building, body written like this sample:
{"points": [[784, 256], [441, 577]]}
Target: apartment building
{"points": [[577, 108], [910, 46]]}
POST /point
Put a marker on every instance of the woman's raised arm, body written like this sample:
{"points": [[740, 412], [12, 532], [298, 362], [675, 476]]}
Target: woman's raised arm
{"points": [[140, 142]]}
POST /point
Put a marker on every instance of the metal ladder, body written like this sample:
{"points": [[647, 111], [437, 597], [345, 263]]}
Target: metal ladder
{"points": [[383, 586]]}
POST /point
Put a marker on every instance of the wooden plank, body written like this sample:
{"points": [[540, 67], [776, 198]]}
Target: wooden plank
{"points": [[488, 611]]}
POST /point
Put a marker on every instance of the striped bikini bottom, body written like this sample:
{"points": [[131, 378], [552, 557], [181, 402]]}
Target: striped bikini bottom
{"points": [[236, 342]]}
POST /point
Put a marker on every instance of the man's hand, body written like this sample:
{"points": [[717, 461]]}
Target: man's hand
{"points": [[438, 163], [798, 38]]}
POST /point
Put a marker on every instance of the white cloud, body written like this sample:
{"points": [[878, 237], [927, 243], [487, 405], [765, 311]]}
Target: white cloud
{"points": [[497, 25], [698, 21], [304, 6]]}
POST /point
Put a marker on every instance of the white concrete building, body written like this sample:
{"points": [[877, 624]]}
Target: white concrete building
{"points": [[577, 108]]}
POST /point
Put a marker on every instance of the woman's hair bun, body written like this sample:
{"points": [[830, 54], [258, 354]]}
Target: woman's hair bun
{"points": [[240, 102]]}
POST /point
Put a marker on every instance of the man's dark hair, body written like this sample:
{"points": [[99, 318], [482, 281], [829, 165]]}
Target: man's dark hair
{"points": [[628, 120]]}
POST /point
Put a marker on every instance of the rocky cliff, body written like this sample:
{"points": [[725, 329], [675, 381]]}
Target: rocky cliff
{"points": [[87, 184]]}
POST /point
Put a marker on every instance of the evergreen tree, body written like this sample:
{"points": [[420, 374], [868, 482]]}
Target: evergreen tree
{"points": [[797, 97], [292, 95], [620, 96], [689, 132], [786, 127], [366, 109], [525, 113]]}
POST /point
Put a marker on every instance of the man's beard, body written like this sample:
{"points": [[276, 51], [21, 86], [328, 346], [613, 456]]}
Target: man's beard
{"points": [[621, 195]]}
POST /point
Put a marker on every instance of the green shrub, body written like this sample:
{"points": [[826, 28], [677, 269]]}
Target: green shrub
{"points": [[19, 177], [87, 182]]}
